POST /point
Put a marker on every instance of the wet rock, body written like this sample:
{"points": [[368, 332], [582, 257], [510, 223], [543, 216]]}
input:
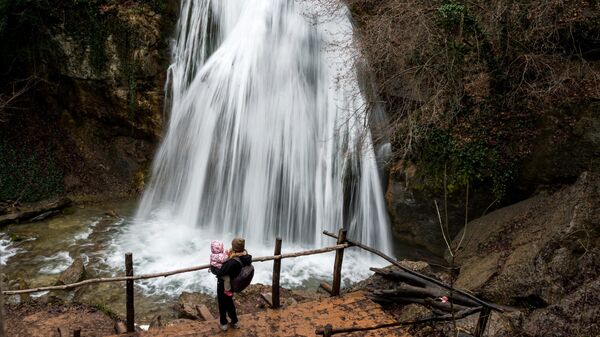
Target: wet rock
{"points": [[187, 303], [156, 323], [111, 213], [414, 220], [73, 274]]}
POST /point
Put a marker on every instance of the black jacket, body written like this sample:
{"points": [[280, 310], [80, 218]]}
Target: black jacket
{"points": [[232, 267]]}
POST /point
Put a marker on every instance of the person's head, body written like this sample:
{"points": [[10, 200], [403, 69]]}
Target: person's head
{"points": [[238, 245], [216, 247]]}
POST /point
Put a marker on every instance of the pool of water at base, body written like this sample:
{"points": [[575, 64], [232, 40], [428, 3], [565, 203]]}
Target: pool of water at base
{"points": [[39, 252]]}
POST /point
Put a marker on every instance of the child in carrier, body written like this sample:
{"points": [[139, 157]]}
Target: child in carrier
{"points": [[219, 256]]}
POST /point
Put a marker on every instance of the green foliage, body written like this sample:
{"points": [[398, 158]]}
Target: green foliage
{"points": [[27, 177], [453, 16], [105, 309], [445, 158]]}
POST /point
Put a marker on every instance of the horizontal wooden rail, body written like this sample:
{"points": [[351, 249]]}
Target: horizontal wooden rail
{"points": [[430, 279], [170, 273]]}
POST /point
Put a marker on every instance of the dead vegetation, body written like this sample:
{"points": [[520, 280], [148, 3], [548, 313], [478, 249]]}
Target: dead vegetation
{"points": [[466, 83]]}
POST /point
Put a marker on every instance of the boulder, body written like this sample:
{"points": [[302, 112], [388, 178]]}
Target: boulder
{"points": [[574, 315], [73, 274], [541, 255], [187, 303]]}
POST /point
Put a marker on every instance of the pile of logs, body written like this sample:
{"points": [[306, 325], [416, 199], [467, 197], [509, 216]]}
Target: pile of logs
{"points": [[412, 289]]}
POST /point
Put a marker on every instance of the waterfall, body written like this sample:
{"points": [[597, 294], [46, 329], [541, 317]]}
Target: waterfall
{"points": [[268, 132], [268, 136]]}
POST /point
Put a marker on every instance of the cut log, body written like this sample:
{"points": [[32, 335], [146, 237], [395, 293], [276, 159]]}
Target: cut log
{"points": [[204, 313], [403, 276], [29, 212], [406, 290], [437, 307], [431, 279], [326, 287]]}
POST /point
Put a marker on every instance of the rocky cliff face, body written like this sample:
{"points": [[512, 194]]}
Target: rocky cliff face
{"points": [[502, 95], [90, 122], [543, 256]]}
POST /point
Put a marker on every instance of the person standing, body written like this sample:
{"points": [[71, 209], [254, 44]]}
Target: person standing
{"points": [[238, 259]]}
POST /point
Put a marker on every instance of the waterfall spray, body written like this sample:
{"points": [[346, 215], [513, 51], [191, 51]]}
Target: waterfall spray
{"points": [[268, 137]]}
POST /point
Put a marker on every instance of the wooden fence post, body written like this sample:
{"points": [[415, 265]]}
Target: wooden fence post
{"points": [[482, 322], [328, 330], [2, 332], [129, 288], [337, 267], [276, 303]]}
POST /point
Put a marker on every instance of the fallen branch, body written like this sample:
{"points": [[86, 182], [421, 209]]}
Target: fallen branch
{"points": [[448, 317], [425, 277], [40, 210], [402, 276]]}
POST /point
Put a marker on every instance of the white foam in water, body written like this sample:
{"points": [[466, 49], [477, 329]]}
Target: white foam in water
{"points": [[267, 138], [7, 249], [56, 263], [84, 235]]}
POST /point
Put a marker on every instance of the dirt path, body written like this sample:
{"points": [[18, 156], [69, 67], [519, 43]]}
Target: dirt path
{"points": [[353, 309]]}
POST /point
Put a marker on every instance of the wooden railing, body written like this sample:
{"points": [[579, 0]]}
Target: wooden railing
{"points": [[274, 297]]}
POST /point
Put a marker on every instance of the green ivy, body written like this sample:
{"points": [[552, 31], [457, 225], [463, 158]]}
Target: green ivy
{"points": [[463, 162], [452, 16]]}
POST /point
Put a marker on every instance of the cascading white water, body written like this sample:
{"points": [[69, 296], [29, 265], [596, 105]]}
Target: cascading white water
{"points": [[268, 134]]}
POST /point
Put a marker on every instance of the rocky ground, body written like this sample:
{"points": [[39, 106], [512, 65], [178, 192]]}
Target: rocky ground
{"points": [[41, 317], [38, 319]]}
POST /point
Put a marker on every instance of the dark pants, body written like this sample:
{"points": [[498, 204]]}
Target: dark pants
{"points": [[226, 305]]}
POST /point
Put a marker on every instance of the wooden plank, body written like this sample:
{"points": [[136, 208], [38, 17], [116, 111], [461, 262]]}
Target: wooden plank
{"points": [[129, 289], [275, 301], [204, 313], [268, 298]]}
